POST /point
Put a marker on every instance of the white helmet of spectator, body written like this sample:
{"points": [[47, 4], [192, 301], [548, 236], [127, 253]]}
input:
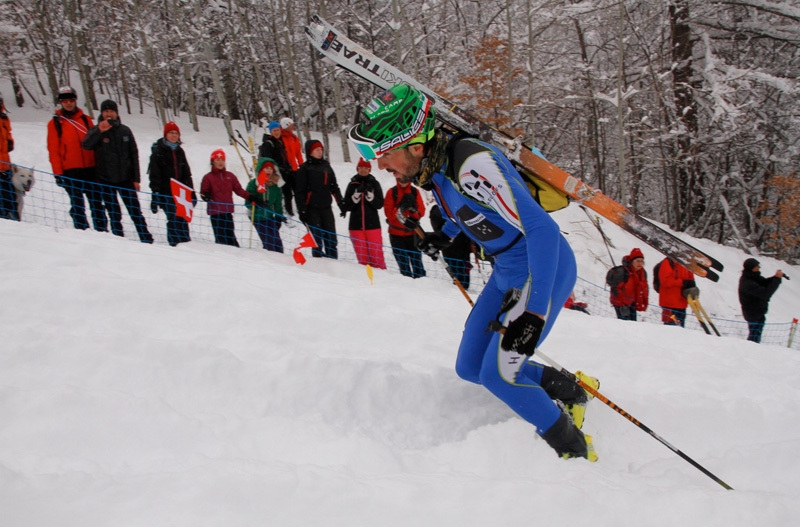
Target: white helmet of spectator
{"points": [[286, 122]]}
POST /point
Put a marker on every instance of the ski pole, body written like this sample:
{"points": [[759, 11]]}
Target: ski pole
{"points": [[596, 222], [236, 145], [698, 315], [510, 298], [705, 315]]}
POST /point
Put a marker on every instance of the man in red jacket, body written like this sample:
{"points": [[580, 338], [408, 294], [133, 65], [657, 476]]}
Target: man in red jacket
{"points": [[631, 294], [403, 206], [74, 167], [673, 280]]}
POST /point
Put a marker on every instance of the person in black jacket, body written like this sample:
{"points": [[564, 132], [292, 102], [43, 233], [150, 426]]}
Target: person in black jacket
{"points": [[273, 148], [316, 188], [117, 160], [457, 255], [754, 294], [168, 161], [363, 198]]}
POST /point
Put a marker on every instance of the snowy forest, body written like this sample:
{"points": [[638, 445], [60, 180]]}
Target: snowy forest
{"points": [[686, 111]]}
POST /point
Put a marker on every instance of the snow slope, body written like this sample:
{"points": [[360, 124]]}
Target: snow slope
{"points": [[205, 385]]}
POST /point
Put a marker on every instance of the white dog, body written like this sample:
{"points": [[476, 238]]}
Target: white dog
{"points": [[22, 180]]}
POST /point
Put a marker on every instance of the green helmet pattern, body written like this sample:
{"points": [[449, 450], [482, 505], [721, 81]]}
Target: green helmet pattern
{"points": [[399, 116]]}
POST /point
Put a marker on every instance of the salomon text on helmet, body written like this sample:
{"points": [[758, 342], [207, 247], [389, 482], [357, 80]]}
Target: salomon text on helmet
{"points": [[399, 116]]}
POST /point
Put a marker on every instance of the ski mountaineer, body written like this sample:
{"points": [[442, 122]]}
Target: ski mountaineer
{"points": [[481, 193]]}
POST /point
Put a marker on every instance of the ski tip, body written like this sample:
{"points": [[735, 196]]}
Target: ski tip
{"points": [[711, 275]]}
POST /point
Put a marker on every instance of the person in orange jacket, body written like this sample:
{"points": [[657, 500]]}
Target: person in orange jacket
{"points": [[8, 196], [674, 283], [74, 167], [631, 294]]}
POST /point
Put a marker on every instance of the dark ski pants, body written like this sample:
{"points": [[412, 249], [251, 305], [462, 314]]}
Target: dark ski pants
{"points": [[756, 329], [268, 232], [323, 228], [626, 312], [177, 228], [77, 183], [224, 229], [8, 197], [407, 256], [129, 197]]}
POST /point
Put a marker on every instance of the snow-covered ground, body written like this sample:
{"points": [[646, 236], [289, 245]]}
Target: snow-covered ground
{"points": [[208, 385]]}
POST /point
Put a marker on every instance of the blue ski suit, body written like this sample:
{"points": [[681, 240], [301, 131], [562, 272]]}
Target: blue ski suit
{"points": [[495, 209]]}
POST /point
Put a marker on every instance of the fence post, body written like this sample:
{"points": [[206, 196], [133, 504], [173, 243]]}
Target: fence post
{"points": [[792, 332]]}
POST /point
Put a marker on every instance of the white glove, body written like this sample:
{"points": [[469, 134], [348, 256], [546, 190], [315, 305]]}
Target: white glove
{"points": [[370, 195], [356, 197]]}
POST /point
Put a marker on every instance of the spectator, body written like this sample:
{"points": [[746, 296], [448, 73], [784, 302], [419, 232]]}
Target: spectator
{"points": [[363, 198], [168, 161], [117, 160], [316, 188], [457, 255], [272, 148], [217, 189], [266, 212], [404, 201], [673, 283], [294, 151], [74, 167], [755, 292], [573, 304], [631, 294], [8, 196]]}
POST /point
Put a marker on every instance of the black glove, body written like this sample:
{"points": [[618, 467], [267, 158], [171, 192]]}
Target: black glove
{"points": [[5, 175], [60, 180], [433, 242], [523, 333], [10, 145], [205, 197], [303, 215], [407, 221], [154, 204], [252, 198]]}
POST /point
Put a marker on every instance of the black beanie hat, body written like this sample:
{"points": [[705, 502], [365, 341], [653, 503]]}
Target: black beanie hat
{"points": [[108, 104], [750, 264]]}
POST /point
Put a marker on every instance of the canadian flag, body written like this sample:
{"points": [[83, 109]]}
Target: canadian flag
{"points": [[306, 241], [183, 199]]}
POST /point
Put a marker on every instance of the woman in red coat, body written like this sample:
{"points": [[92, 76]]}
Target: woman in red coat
{"points": [[673, 279], [631, 295]]}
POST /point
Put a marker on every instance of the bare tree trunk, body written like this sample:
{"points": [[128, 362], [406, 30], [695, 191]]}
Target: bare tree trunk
{"points": [[150, 62], [297, 100], [71, 10], [621, 154], [690, 181], [212, 66]]}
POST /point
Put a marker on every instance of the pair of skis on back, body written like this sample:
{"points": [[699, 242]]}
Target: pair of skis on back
{"points": [[354, 58]]}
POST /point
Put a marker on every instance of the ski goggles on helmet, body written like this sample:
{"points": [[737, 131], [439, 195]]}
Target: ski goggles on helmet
{"points": [[420, 131]]}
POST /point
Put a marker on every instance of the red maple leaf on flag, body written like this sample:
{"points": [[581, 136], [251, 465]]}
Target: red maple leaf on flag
{"points": [[182, 194], [306, 241]]}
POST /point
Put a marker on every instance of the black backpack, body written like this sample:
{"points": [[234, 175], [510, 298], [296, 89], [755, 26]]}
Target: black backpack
{"points": [[616, 275], [656, 280]]}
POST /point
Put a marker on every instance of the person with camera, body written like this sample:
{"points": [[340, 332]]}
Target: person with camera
{"points": [[755, 292], [403, 206], [117, 159]]}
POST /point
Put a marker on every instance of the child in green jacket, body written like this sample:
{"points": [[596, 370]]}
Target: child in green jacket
{"points": [[266, 212]]}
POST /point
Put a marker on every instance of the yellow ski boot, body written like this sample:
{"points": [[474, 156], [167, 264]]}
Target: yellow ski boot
{"points": [[578, 411]]}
